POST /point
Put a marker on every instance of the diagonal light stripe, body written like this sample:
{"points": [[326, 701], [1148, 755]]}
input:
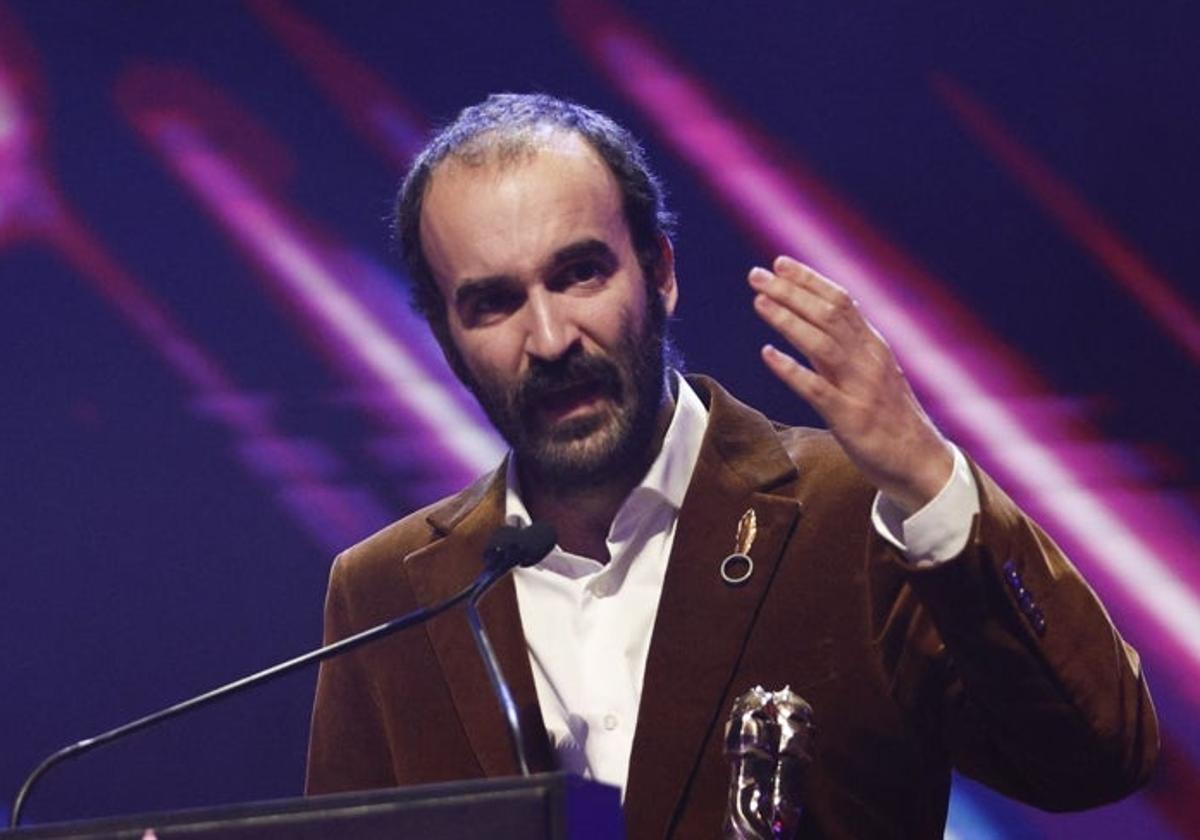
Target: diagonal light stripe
{"points": [[304, 477], [296, 269], [307, 478], [366, 102], [1116, 254]]}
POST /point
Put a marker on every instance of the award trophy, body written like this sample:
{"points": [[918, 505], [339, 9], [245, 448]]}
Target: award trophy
{"points": [[768, 741]]}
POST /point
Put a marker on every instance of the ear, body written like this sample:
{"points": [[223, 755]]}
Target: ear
{"points": [[668, 288]]}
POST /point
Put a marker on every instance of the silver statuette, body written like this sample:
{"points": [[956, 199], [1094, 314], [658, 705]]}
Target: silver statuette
{"points": [[769, 742]]}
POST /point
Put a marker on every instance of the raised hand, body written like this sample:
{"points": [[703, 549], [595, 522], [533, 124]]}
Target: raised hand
{"points": [[854, 382]]}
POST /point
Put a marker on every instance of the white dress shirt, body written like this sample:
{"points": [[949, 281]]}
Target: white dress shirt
{"points": [[588, 624]]}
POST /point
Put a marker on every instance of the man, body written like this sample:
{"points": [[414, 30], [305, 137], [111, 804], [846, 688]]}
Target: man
{"points": [[888, 582]]}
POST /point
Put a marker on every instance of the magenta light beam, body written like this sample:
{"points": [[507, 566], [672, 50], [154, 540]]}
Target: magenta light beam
{"points": [[371, 108], [299, 273], [301, 474], [1114, 253]]}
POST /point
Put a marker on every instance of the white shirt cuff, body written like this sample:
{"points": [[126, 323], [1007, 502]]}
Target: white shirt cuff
{"points": [[938, 531]]}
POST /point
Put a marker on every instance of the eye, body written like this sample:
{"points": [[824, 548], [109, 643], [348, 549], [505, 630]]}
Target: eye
{"points": [[488, 305], [583, 272]]}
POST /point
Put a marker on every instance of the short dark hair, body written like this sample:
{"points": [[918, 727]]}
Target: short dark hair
{"points": [[506, 124]]}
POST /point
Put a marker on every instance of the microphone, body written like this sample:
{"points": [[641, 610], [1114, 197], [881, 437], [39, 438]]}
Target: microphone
{"points": [[512, 545], [509, 546]]}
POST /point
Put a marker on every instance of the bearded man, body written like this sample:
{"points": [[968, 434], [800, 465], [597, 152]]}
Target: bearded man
{"points": [[887, 580]]}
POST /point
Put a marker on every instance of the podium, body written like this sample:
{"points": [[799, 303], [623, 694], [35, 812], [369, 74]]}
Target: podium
{"points": [[555, 806]]}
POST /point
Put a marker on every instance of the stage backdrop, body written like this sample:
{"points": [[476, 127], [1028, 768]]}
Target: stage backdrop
{"points": [[211, 381]]}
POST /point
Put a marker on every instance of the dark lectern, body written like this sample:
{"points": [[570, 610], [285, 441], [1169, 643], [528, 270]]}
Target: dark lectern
{"points": [[554, 806]]}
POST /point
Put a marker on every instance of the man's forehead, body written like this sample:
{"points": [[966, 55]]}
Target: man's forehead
{"points": [[479, 214]]}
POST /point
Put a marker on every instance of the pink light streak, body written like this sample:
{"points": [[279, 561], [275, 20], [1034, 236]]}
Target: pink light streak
{"points": [[384, 120], [306, 477], [26, 203], [371, 108], [350, 333], [301, 474], [1112, 251]]}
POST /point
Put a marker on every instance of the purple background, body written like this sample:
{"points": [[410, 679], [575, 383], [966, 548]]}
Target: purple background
{"points": [[169, 528]]}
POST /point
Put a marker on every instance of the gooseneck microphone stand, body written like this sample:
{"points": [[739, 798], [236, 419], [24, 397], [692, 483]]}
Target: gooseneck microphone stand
{"points": [[508, 547]]}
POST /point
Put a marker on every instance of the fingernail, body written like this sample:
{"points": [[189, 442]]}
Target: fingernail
{"points": [[759, 275]]}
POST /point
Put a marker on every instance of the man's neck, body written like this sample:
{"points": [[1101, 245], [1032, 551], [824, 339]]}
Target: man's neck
{"points": [[583, 514]]}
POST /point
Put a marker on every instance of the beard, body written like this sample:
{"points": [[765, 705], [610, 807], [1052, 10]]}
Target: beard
{"points": [[608, 441]]}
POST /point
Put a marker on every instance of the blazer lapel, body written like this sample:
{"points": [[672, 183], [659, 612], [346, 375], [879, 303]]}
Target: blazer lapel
{"points": [[701, 625], [703, 622], [437, 572]]}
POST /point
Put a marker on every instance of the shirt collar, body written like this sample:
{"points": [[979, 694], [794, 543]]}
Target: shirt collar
{"points": [[669, 474]]}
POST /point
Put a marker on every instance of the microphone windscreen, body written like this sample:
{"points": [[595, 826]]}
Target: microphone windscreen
{"points": [[536, 542], [504, 540], [511, 545]]}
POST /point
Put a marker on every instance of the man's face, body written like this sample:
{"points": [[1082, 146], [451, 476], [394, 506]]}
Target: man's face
{"points": [[547, 307]]}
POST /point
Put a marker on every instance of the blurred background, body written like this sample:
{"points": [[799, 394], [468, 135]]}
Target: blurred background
{"points": [[211, 381]]}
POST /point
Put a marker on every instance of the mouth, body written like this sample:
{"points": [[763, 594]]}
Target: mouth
{"points": [[570, 403]]}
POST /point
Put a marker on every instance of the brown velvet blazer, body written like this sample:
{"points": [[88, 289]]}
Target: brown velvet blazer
{"points": [[1000, 663]]}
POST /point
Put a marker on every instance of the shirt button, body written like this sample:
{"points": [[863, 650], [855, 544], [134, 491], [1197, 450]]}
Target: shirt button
{"points": [[610, 722]]}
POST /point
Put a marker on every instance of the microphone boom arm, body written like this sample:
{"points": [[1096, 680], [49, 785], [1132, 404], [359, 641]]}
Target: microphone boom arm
{"points": [[318, 655], [499, 685], [509, 546]]}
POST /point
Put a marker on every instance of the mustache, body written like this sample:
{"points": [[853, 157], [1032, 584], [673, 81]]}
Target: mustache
{"points": [[572, 370]]}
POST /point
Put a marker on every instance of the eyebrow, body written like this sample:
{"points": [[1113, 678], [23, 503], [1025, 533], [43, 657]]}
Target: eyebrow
{"points": [[593, 248], [583, 249]]}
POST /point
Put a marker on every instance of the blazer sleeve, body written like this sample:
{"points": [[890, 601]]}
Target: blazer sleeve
{"points": [[347, 749], [1005, 655]]}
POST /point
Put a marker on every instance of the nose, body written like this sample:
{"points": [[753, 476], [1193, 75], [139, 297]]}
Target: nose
{"points": [[552, 330]]}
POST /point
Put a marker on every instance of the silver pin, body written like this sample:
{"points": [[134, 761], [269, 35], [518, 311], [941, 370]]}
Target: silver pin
{"points": [[737, 567]]}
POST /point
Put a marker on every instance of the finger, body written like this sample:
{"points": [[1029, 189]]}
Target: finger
{"points": [[833, 312], [839, 306], [809, 278], [818, 391], [824, 350]]}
